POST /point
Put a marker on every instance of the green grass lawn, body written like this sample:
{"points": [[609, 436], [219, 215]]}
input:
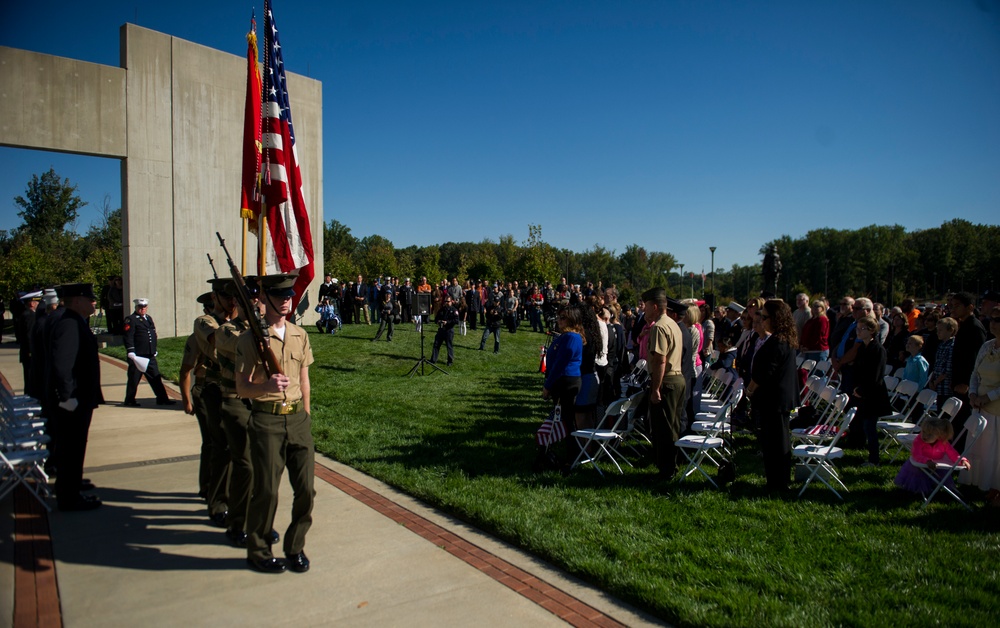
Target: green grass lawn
{"points": [[688, 553]]}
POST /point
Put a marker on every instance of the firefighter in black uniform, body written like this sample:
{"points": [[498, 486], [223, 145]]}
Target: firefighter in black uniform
{"points": [[446, 318], [72, 390], [140, 345]]}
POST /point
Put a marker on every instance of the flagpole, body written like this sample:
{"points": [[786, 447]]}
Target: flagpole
{"points": [[265, 178]]}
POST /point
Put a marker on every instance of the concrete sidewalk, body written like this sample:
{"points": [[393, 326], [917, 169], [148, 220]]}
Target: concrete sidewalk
{"points": [[379, 558]]}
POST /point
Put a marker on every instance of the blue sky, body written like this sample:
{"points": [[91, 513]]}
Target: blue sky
{"points": [[675, 125]]}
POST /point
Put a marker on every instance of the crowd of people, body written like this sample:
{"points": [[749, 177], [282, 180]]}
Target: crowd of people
{"points": [[950, 348], [239, 397]]}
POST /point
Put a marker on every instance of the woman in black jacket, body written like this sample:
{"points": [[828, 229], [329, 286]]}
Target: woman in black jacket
{"points": [[774, 388], [895, 343]]}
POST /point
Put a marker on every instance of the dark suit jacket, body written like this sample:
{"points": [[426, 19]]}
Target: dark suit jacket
{"points": [[869, 380], [73, 370], [969, 339], [777, 383]]}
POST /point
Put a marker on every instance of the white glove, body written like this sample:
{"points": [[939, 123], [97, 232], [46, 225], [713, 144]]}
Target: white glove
{"points": [[131, 356], [69, 405]]}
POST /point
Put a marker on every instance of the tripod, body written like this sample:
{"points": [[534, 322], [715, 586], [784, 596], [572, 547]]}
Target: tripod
{"points": [[422, 361]]}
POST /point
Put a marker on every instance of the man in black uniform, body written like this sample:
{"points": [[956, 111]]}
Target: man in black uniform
{"points": [[446, 318], [387, 314], [140, 345], [72, 389], [494, 319], [35, 384], [22, 333], [405, 297]]}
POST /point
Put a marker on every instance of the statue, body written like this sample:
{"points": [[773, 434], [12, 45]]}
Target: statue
{"points": [[771, 270]]}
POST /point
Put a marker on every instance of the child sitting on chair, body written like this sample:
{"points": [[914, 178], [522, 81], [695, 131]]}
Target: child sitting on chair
{"points": [[931, 447], [917, 368]]}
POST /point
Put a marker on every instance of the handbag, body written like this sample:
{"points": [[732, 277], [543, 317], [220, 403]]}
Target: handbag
{"points": [[552, 430]]}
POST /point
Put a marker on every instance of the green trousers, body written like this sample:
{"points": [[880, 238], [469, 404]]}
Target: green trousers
{"points": [[236, 423], [277, 442], [218, 460]]}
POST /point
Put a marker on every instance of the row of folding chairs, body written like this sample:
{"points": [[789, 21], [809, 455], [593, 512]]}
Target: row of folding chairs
{"points": [[22, 446], [619, 428], [815, 447]]}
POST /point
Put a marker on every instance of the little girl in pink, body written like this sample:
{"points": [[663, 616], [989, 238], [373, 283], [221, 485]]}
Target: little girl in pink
{"points": [[931, 446]]}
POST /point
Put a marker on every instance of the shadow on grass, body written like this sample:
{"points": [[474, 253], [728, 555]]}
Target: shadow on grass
{"points": [[335, 367]]}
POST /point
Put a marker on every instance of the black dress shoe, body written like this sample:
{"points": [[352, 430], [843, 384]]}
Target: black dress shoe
{"points": [[131, 404], [266, 565], [273, 537], [90, 498], [81, 504], [219, 518], [86, 485], [166, 402], [297, 562], [237, 537]]}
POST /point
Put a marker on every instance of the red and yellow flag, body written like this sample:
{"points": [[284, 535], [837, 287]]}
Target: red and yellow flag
{"points": [[250, 193]]}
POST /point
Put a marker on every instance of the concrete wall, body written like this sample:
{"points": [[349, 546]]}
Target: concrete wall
{"points": [[174, 113], [53, 103]]}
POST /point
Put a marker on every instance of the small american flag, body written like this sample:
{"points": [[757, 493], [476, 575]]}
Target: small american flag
{"points": [[287, 221]]}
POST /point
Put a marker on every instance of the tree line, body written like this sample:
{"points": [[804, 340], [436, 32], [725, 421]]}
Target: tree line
{"points": [[886, 263], [45, 249]]}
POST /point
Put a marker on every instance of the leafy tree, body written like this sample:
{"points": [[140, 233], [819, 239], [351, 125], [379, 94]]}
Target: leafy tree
{"points": [[600, 264], [508, 257], [428, 264], [47, 207], [376, 256], [483, 264], [538, 262]]}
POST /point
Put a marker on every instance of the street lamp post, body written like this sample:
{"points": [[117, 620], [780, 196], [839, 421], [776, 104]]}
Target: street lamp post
{"points": [[826, 273], [680, 284], [712, 249]]}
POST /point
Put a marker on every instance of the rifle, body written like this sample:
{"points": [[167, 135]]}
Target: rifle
{"points": [[212, 264], [262, 343]]}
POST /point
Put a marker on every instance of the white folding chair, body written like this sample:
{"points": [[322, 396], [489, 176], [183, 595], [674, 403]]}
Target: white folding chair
{"points": [[808, 366], [634, 431], [698, 448], [636, 378], [903, 422], [705, 423], [905, 392], [602, 438], [940, 473], [811, 392], [716, 384], [818, 459], [823, 367], [22, 458], [25, 467], [709, 408], [949, 409], [831, 410]]}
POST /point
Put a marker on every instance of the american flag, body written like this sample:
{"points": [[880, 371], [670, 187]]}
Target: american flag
{"points": [[291, 245]]}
